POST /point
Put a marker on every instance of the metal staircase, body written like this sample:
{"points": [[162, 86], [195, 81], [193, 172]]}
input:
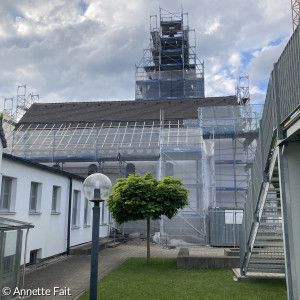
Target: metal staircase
{"points": [[267, 252], [269, 239]]}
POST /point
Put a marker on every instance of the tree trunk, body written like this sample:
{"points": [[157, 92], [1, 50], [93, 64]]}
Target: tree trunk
{"points": [[148, 241]]}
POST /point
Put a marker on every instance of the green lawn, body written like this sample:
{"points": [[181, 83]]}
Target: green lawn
{"points": [[135, 279]]}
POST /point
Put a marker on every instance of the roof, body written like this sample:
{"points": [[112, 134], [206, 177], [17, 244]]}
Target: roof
{"points": [[42, 167], [120, 111], [10, 224], [2, 137]]}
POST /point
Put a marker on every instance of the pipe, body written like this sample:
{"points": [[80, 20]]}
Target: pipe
{"points": [[24, 265], [95, 251], [69, 217]]}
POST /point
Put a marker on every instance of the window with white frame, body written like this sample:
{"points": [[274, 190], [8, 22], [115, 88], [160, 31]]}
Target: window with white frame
{"points": [[55, 208], [6, 194], [110, 219], [35, 196], [75, 208], [86, 216], [103, 213]]}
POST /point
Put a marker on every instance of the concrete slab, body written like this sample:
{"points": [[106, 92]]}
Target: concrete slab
{"points": [[256, 275], [205, 258], [206, 252], [85, 249], [232, 252]]}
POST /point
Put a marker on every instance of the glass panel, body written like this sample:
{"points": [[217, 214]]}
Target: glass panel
{"points": [[33, 197], [102, 213], [75, 205], [86, 205], [54, 198], [10, 259], [5, 194]]}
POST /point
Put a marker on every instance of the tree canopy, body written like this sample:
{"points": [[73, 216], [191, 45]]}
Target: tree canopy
{"points": [[144, 198], [141, 198]]}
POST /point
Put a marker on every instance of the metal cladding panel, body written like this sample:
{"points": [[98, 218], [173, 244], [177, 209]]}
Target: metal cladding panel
{"points": [[289, 77], [291, 185], [224, 226], [165, 89]]}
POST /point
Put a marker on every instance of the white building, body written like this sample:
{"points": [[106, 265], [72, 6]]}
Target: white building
{"points": [[50, 199]]}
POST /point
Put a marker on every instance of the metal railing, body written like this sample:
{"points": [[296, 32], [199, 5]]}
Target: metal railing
{"points": [[282, 101]]}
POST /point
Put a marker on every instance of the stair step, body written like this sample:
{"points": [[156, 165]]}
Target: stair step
{"points": [[277, 220], [266, 266], [269, 237], [264, 223], [257, 270], [275, 179], [267, 254], [268, 241], [274, 190], [269, 249], [267, 261], [272, 199], [271, 216], [271, 208], [256, 255], [265, 230], [268, 244]]}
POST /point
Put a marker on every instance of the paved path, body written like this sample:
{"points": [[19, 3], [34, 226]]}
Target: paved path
{"points": [[73, 272]]}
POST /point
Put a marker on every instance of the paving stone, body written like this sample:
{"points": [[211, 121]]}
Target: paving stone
{"points": [[73, 272]]}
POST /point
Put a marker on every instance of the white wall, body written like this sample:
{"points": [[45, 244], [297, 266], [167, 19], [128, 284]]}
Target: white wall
{"points": [[50, 229]]}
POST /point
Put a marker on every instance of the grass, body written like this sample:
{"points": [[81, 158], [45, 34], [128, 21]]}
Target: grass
{"points": [[135, 279]]}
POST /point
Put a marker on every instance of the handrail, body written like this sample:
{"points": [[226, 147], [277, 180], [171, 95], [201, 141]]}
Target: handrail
{"points": [[282, 101]]}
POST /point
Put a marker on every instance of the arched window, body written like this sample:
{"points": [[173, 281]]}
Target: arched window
{"points": [[130, 169], [92, 169], [169, 169]]}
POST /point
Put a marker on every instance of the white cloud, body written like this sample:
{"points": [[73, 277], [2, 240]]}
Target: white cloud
{"points": [[261, 65], [87, 49], [212, 26], [257, 95]]}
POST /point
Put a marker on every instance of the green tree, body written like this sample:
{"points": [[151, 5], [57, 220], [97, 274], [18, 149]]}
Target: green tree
{"points": [[144, 198]]}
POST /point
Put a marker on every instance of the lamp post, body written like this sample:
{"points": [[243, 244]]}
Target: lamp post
{"points": [[96, 188]]}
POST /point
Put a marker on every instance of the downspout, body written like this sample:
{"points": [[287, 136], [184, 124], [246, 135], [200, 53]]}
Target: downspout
{"points": [[69, 217]]}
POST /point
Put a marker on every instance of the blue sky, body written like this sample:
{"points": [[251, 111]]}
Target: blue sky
{"points": [[86, 50]]}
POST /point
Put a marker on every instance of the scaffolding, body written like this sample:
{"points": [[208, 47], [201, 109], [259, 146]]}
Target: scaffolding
{"points": [[90, 142], [242, 90], [212, 154], [13, 112], [216, 171], [234, 131], [170, 68]]}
